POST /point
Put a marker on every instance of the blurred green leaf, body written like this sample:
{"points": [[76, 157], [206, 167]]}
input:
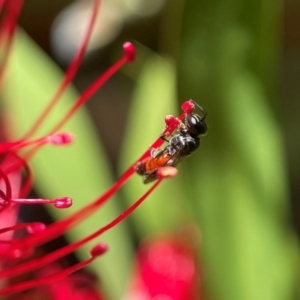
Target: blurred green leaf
{"points": [[153, 99], [238, 185], [80, 170]]}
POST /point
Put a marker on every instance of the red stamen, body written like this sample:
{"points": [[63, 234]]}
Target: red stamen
{"points": [[55, 139], [59, 139], [166, 172], [95, 253], [13, 162], [188, 106], [128, 57], [3, 202], [63, 202], [39, 262], [36, 227], [31, 227], [7, 29], [129, 51], [64, 138], [7, 186], [6, 198], [28, 182], [171, 124], [18, 253], [99, 249]]}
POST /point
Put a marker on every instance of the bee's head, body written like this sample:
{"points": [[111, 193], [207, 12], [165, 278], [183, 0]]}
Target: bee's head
{"points": [[196, 125]]}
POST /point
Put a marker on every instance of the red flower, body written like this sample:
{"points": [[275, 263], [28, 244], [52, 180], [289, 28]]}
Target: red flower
{"points": [[19, 255], [166, 269]]}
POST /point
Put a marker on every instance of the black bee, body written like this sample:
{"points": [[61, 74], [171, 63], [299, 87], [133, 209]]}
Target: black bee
{"points": [[180, 146]]}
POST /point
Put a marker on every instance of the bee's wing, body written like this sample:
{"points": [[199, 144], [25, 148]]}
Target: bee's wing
{"points": [[175, 159], [150, 177], [172, 161], [162, 156]]}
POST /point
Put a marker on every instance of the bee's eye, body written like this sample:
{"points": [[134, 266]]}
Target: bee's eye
{"points": [[196, 125]]}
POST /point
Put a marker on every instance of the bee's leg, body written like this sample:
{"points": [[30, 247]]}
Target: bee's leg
{"points": [[201, 109], [163, 137]]}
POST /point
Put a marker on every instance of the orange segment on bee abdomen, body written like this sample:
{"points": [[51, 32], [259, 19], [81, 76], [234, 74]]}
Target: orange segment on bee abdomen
{"points": [[155, 163]]}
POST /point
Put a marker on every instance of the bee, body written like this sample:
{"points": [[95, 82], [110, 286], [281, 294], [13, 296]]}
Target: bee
{"points": [[179, 147]]}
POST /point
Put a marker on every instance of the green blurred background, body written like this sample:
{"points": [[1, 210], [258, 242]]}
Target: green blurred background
{"points": [[240, 60]]}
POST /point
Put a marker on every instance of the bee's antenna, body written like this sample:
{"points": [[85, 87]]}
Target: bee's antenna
{"points": [[205, 114]]}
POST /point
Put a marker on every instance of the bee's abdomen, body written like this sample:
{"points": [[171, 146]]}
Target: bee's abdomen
{"points": [[151, 164], [155, 163]]}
